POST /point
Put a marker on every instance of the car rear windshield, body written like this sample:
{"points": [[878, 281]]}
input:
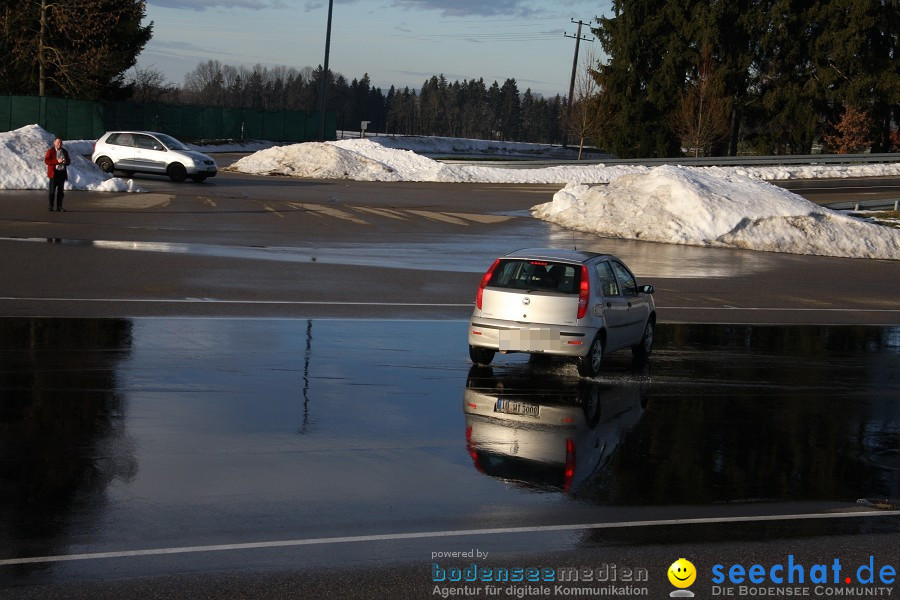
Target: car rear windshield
{"points": [[536, 275]]}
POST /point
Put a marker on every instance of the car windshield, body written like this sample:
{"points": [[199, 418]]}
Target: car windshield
{"points": [[171, 142], [537, 275]]}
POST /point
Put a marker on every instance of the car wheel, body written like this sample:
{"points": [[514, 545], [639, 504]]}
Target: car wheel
{"points": [[176, 172], [105, 163], [590, 402], [481, 356], [589, 364], [198, 178], [645, 346]]}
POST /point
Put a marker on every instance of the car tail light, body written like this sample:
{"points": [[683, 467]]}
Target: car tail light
{"points": [[484, 281], [473, 453], [584, 290], [570, 465]]}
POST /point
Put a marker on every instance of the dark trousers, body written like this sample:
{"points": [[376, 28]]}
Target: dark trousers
{"points": [[57, 184]]}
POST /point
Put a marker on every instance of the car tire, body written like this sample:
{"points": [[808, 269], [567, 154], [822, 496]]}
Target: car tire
{"points": [[176, 172], [481, 356], [589, 364], [591, 403], [105, 164], [198, 178], [645, 346]]}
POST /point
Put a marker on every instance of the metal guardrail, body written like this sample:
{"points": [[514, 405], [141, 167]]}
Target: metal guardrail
{"points": [[856, 205], [710, 161]]}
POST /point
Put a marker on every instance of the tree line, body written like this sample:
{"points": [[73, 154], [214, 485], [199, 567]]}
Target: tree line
{"points": [[469, 108]]}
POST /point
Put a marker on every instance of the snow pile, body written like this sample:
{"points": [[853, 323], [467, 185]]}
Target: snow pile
{"points": [[22, 164], [327, 161], [368, 160], [371, 160], [715, 207]]}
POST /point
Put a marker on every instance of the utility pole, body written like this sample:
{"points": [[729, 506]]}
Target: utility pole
{"points": [[578, 39], [325, 75]]}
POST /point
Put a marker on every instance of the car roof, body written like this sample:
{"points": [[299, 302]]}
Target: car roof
{"points": [[132, 131], [577, 256]]}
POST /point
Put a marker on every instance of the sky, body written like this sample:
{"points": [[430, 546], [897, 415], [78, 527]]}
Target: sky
{"points": [[397, 42]]}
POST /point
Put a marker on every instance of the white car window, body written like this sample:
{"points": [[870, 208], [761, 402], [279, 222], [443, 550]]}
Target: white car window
{"points": [[121, 139], [606, 279], [626, 279], [146, 142]]}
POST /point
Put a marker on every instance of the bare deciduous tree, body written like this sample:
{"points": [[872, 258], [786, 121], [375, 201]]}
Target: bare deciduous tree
{"points": [[704, 113], [590, 112], [150, 85]]}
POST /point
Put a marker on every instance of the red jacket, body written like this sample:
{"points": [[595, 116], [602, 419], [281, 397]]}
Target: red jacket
{"points": [[50, 160]]}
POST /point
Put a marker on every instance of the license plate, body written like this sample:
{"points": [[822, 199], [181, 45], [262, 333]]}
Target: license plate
{"points": [[533, 339], [514, 407]]}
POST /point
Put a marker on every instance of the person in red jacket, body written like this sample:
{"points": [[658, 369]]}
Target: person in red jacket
{"points": [[57, 159]]}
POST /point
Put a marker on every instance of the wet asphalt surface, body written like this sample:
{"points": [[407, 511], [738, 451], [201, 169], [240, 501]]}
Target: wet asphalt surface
{"points": [[157, 443], [127, 435]]}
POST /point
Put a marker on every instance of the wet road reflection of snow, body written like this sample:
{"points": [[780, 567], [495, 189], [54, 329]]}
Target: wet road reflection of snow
{"points": [[171, 432]]}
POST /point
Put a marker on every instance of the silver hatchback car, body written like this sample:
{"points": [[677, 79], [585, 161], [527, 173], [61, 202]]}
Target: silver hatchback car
{"points": [[567, 303], [150, 152]]}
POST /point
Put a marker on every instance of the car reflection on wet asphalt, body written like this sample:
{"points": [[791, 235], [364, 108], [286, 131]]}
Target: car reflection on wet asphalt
{"points": [[118, 434], [537, 429]]}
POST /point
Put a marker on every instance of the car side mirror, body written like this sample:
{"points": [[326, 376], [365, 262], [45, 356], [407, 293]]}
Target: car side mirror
{"points": [[646, 289]]}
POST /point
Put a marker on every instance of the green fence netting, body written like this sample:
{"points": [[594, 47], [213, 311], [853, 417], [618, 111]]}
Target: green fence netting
{"points": [[79, 119]]}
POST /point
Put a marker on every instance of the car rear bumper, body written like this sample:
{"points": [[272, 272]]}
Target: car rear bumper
{"points": [[534, 338]]}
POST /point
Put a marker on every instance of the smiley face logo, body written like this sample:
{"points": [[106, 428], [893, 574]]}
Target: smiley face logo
{"points": [[682, 573]]}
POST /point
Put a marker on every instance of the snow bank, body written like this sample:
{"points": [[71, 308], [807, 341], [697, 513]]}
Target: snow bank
{"points": [[22, 164], [715, 207], [372, 159]]}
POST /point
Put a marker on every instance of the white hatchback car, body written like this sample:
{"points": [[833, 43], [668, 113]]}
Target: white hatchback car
{"points": [[150, 152], [561, 302]]}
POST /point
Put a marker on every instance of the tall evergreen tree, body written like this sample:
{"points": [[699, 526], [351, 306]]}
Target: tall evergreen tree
{"points": [[647, 65], [78, 50]]}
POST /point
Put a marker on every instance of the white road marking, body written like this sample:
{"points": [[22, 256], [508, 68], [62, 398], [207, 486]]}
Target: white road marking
{"points": [[435, 304], [434, 534], [793, 309], [437, 216], [327, 211], [216, 301], [381, 212]]}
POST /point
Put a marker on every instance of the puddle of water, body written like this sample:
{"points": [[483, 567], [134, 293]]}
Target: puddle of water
{"points": [[466, 253], [110, 427]]}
